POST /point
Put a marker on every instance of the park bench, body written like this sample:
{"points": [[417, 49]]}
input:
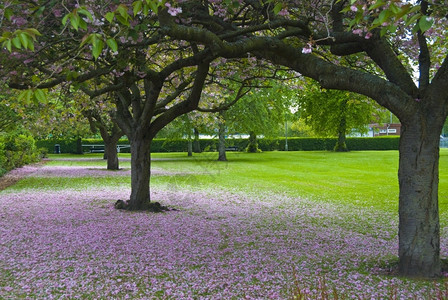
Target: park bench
{"points": [[100, 148], [96, 148]]}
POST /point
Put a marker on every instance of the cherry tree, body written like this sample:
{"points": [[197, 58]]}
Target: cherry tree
{"points": [[102, 48], [329, 41]]}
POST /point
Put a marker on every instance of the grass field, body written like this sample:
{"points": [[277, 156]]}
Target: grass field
{"points": [[360, 178], [260, 226]]}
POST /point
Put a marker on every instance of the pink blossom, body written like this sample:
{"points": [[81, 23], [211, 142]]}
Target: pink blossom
{"points": [[358, 32], [353, 8], [174, 11], [57, 12], [307, 49], [284, 12]]}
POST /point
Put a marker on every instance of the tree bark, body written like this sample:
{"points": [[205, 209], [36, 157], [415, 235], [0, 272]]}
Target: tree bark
{"points": [[196, 143], [79, 145], [140, 174], [189, 144], [190, 147], [110, 152], [253, 146], [419, 237], [222, 142], [341, 146], [110, 140]]}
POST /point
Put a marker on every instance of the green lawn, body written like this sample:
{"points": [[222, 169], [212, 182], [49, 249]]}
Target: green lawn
{"points": [[360, 178]]}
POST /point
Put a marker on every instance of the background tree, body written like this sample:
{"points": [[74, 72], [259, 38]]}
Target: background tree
{"points": [[335, 113], [101, 118], [261, 111]]}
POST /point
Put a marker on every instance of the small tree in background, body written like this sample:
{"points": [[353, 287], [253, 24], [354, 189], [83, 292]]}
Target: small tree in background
{"points": [[262, 111], [334, 113]]}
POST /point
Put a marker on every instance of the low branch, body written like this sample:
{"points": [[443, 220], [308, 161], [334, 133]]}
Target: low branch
{"points": [[105, 90], [168, 99], [190, 104], [225, 106], [424, 57]]}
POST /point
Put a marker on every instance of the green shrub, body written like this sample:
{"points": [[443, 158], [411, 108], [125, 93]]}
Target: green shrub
{"points": [[43, 152], [2, 159], [16, 150]]}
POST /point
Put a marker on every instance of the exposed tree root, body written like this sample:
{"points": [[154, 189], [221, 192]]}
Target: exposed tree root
{"points": [[155, 207]]}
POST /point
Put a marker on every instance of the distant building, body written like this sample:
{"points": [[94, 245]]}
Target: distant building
{"points": [[385, 129]]}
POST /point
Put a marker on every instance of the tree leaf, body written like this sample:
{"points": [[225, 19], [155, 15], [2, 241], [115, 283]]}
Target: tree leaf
{"points": [[24, 39], [40, 95], [65, 18], [123, 11], [412, 20], [153, 6], [137, 7], [22, 95], [383, 16], [110, 16], [86, 13], [376, 5], [17, 43], [97, 48], [277, 8], [31, 45], [112, 43], [86, 39], [394, 9], [425, 23], [392, 28], [26, 96], [122, 20], [32, 32], [8, 13], [82, 24], [74, 20]]}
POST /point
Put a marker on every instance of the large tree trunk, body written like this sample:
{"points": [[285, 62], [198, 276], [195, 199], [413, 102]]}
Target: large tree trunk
{"points": [[140, 174], [222, 142], [419, 237], [110, 153]]}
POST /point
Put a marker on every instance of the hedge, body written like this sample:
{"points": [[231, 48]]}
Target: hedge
{"points": [[17, 150], [265, 144], [66, 146]]}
